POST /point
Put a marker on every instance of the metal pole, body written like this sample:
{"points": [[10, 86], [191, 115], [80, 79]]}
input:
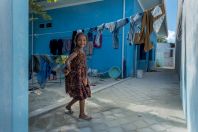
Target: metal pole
{"points": [[123, 37]]}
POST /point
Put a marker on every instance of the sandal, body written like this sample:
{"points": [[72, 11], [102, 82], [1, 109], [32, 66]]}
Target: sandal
{"points": [[85, 117], [69, 110]]}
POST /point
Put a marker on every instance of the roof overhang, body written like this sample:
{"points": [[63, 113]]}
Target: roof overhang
{"points": [[148, 4], [64, 3]]}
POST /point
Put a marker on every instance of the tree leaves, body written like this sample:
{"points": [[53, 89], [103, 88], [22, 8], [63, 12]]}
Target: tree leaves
{"points": [[37, 10]]}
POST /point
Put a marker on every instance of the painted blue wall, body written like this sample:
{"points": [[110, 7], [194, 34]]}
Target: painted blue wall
{"points": [[14, 58], [130, 50], [86, 16]]}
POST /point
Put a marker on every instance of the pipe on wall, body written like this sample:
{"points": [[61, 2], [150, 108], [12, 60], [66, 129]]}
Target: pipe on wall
{"points": [[123, 34]]}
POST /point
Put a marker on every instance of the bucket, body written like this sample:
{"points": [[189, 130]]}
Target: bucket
{"points": [[139, 73]]}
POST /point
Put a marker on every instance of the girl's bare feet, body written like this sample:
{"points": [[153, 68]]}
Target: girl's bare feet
{"points": [[69, 110], [85, 117]]}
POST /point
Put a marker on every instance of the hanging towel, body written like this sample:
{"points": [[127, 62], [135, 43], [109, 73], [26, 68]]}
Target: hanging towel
{"points": [[110, 26], [53, 46], [89, 48], [97, 43], [147, 28], [156, 11], [118, 24], [98, 37], [157, 24], [60, 47], [90, 36], [66, 46], [135, 26]]}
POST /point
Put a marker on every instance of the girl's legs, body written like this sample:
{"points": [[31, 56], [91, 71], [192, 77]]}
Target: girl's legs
{"points": [[82, 107], [82, 110], [68, 106]]}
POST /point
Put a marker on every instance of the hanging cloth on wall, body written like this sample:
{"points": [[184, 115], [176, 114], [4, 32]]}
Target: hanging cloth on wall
{"points": [[97, 43], [89, 48], [66, 46], [119, 24], [53, 45], [157, 24], [114, 28], [60, 47], [98, 36], [158, 14], [135, 26], [146, 30], [110, 26]]}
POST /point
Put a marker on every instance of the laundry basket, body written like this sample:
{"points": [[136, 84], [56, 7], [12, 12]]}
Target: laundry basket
{"points": [[114, 72]]}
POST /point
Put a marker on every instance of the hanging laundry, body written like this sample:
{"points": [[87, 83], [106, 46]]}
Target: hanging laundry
{"points": [[98, 37], [157, 24], [118, 24], [97, 43], [60, 47], [89, 48], [90, 36], [53, 46], [135, 26], [110, 26], [45, 71], [66, 46], [146, 30], [156, 11], [158, 18]]}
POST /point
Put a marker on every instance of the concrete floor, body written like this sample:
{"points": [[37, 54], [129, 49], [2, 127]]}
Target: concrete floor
{"points": [[150, 104]]}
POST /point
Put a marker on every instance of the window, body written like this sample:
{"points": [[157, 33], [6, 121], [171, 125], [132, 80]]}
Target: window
{"points": [[42, 25], [48, 25]]}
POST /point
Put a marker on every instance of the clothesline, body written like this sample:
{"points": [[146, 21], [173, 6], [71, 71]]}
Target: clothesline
{"points": [[86, 29]]}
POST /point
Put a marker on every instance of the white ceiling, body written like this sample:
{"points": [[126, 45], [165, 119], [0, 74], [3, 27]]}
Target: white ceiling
{"points": [[64, 3]]}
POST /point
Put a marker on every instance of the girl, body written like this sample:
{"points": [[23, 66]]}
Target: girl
{"points": [[77, 84]]}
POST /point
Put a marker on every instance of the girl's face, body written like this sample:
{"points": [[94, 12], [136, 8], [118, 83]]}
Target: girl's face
{"points": [[81, 41]]}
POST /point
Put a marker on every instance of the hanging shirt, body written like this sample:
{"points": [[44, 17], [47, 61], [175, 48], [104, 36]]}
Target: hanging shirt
{"points": [[110, 26], [98, 37], [157, 24], [156, 11], [135, 26], [118, 24]]}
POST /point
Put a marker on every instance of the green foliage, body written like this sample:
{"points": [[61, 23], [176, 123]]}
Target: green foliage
{"points": [[37, 10], [161, 40]]}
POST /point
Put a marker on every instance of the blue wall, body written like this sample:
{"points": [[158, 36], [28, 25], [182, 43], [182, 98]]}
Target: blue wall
{"points": [[86, 16], [14, 61]]}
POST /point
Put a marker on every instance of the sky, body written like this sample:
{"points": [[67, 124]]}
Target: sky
{"points": [[171, 8]]}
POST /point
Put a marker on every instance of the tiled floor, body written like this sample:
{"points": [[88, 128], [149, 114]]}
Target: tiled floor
{"points": [[150, 104]]}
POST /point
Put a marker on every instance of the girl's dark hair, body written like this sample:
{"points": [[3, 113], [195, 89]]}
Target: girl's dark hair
{"points": [[73, 44], [77, 36], [74, 40]]}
